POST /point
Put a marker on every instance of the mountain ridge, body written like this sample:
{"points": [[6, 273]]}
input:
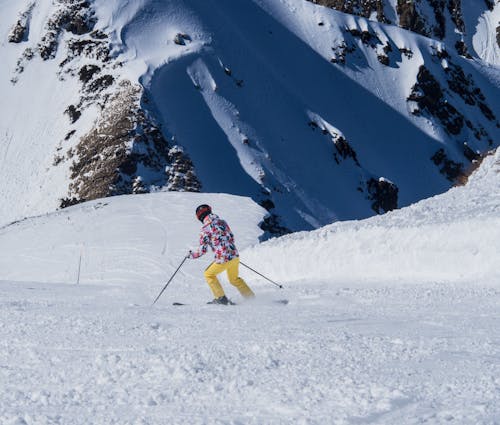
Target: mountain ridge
{"points": [[205, 98]]}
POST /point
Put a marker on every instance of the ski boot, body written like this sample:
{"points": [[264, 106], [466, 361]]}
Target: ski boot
{"points": [[221, 300]]}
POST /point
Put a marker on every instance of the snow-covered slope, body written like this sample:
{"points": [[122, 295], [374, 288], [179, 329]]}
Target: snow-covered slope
{"points": [[451, 237], [352, 345], [134, 240], [316, 114], [469, 27]]}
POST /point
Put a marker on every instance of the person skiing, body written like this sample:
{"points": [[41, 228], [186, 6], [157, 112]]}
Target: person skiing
{"points": [[217, 235]]}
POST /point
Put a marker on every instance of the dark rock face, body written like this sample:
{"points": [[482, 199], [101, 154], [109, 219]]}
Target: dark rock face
{"points": [[429, 96], [124, 143], [343, 150], [441, 103], [426, 17], [409, 17], [73, 113], [20, 31], [384, 195], [74, 16], [356, 7], [450, 169], [87, 72], [272, 227]]}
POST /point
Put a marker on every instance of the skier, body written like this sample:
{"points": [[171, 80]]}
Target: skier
{"points": [[217, 235]]}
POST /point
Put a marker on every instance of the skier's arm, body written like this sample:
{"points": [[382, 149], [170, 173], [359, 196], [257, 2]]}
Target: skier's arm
{"points": [[203, 248]]}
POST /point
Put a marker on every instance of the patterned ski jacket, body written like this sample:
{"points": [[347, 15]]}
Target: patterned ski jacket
{"points": [[217, 235]]}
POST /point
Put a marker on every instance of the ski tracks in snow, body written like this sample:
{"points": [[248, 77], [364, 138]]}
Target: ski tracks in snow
{"points": [[335, 354]]}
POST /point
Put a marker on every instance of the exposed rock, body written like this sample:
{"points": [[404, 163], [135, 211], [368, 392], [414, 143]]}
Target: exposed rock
{"points": [[463, 178], [450, 169], [182, 39], [366, 37], [409, 17], [100, 84], [20, 30], [383, 59], [73, 113], [87, 72], [455, 9], [470, 154], [407, 52], [341, 51], [75, 16], [426, 17], [126, 152], [490, 4], [89, 48], [461, 49], [181, 175], [68, 202], [272, 227], [465, 87], [267, 204], [429, 96], [357, 7], [69, 135], [383, 193], [343, 149]]}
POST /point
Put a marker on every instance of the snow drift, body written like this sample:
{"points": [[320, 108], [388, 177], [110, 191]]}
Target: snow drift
{"points": [[453, 237]]}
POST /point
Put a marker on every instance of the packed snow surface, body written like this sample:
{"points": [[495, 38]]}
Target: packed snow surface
{"points": [[402, 338]]}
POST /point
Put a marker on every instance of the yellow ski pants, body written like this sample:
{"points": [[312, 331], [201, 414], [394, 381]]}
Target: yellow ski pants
{"points": [[231, 268]]}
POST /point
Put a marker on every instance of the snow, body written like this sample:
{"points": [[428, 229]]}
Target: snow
{"points": [[448, 238], [261, 71], [414, 339], [484, 26], [391, 320]]}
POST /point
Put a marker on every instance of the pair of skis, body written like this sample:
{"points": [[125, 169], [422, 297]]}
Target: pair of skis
{"points": [[243, 264], [282, 302]]}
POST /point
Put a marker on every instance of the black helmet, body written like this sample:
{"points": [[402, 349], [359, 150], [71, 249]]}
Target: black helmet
{"points": [[202, 211]]}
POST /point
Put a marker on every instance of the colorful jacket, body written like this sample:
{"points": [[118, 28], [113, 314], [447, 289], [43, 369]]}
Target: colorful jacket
{"points": [[217, 235]]}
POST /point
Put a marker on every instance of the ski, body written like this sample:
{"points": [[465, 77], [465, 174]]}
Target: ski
{"points": [[179, 304], [282, 302]]}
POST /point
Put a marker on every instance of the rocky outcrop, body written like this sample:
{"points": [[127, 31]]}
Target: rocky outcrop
{"points": [[20, 30], [441, 103], [409, 18], [125, 151], [383, 194], [74, 16], [123, 146], [429, 96], [450, 169], [364, 8], [431, 18]]}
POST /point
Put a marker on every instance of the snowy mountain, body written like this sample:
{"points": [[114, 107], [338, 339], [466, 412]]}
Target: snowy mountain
{"points": [[390, 320], [471, 27], [315, 114]]}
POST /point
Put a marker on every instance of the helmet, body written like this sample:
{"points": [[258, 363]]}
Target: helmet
{"points": [[202, 211]]}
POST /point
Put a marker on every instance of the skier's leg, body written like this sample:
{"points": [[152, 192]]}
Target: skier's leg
{"points": [[210, 274], [234, 279]]}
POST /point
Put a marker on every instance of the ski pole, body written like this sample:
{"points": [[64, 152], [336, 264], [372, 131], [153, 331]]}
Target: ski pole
{"points": [[169, 280], [260, 274]]}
